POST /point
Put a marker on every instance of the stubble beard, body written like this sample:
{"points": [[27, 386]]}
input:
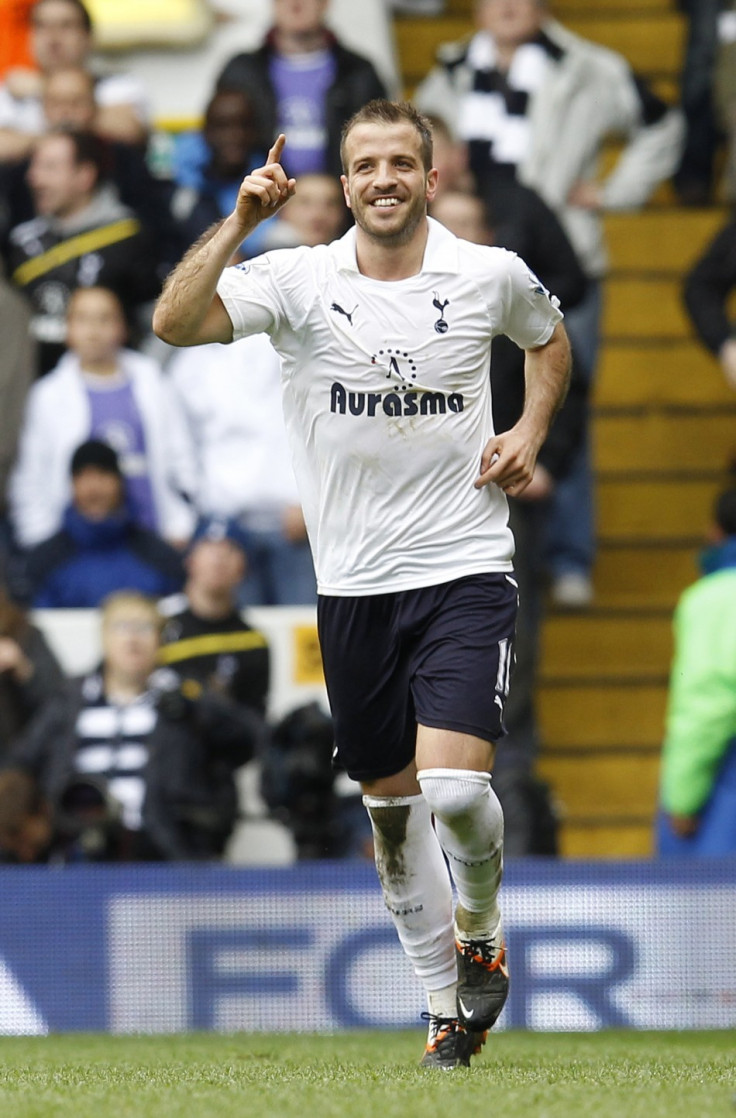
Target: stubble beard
{"points": [[399, 238]]}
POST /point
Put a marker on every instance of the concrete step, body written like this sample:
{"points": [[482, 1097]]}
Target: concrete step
{"points": [[645, 371], [676, 510], [643, 577], [595, 839], [601, 645], [603, 787], [665, 440], [666, 239], [645, 307], [600, 716]]}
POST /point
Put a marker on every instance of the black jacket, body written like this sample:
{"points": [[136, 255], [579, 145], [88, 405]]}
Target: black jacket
{"points": [[707, 287], [190, 804], [105, 245], [356, 82], [227, 655]]}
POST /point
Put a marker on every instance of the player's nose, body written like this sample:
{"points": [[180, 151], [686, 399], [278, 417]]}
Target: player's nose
{"points": [[384, 175]]}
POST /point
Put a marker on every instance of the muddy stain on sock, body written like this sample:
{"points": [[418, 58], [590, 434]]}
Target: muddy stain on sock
{"points": [[391, 824]]}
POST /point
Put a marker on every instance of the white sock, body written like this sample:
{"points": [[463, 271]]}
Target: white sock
{"points": [[443, 1003], [469, 826], [416, 885]]}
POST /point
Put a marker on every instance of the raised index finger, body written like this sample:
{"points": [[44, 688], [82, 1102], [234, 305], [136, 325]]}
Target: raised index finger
{"points": [[274, 155]]}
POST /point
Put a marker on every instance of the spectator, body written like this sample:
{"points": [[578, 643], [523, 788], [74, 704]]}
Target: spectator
{"points": [[82, 236], [210, 165], [69, 102], [706, 291], [243, 463], [693, 179], [137, 763], [29, 672], [536, 103], [450, 157], [698, 779], [107, 392], [302, 81], [724, 86], [518, 220], [204, 635], [99, 548], [61, 36]]}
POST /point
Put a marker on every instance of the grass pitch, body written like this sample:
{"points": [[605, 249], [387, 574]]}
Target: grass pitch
{"points": [[368, 1075]]}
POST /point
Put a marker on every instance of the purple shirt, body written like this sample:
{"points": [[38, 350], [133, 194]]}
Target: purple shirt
{"points": [[115, 419], [301, 83]]}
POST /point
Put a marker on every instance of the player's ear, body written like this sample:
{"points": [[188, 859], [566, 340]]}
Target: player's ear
{"points": [[345, 191], [432, 179]]}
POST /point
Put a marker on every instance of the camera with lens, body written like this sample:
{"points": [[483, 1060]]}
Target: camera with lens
{"points": [[297, 780]]}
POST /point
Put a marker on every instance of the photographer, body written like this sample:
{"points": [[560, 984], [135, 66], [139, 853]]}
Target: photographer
{"points": [[319, 804], [134, 762]]}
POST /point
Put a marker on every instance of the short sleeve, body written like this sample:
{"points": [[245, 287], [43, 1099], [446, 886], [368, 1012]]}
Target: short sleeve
{"points": [[248, 293], [530, 312]]}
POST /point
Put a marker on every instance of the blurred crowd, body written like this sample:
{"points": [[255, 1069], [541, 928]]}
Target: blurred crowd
{"points": [[156, 485]]}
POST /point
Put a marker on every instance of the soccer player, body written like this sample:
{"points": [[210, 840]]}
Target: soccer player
{"points": [[384, 338]]}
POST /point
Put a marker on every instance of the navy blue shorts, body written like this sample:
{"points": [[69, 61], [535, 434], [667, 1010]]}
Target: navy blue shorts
{"points": [[438, 655]]}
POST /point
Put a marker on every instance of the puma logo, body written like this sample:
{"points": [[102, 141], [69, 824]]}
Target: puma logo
{"points": [[347, 314]]}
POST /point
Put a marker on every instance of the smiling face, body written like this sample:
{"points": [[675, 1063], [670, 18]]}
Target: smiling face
{"points": [[386, 184]]}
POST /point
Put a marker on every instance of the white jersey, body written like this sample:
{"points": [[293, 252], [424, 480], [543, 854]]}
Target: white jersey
{"points": [[387, 402]]}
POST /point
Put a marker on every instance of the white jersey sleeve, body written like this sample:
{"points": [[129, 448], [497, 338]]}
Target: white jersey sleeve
{"points": [[250, 295], [528, 313]]}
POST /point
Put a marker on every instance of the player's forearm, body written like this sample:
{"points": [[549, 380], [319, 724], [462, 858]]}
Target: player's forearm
{"points": [[547, 377], [187, 298]]}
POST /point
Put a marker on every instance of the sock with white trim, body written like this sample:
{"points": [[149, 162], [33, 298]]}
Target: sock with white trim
{"points": [[469, 826], [416, 886]]}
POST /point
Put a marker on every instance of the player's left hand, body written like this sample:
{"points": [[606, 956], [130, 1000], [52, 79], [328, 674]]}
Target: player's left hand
{"points": [[508, 461]]}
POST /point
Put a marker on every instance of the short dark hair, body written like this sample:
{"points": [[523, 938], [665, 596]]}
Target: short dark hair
{"points": [[725, 511], [381, 111], [100, 456], [84, 15], [87, 148]]}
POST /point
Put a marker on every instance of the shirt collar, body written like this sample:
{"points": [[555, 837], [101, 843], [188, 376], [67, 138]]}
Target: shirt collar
{"points": [[440, 254]]}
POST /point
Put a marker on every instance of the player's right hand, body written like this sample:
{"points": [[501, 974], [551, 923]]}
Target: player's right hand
{"points": [[264, 191]]}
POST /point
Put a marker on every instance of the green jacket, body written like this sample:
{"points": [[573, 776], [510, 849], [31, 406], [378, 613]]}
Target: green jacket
{"points": [[701, 709]]}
